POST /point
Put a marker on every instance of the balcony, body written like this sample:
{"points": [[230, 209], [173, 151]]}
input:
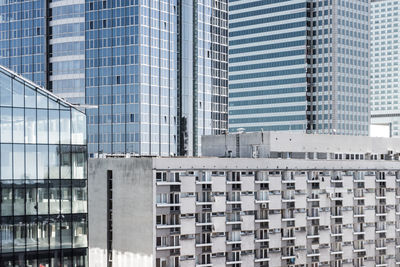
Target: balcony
{"points": [[203, 244], [262, 219], [204, 223], [337, 214], [233, 242], [233, 220], [381, 230], [162, 183], [288, 256], [233, 182], [233, 261], [358, 232], [359, 249], [262, 200], [167, 226], [262, 239], [166, 205], [313, 235], [336, 196], [168, 247], [234, 200], [313, 215], [314, 253], [336, 252], [288, 216], [261, 259], [204, 201], [337, 179], [338, 233]]}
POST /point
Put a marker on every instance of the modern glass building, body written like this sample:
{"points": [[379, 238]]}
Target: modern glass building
{"points": [[202, 72], [23, 39], [299, 65], [385, 64], [157, 70], [153, 72], [66, 49], [43, 177], [44, 41]]}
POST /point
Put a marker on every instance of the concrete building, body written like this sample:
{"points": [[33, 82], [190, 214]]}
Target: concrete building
{"points": [[43, 177], [299, 65], [279, 199], [385, 64]]}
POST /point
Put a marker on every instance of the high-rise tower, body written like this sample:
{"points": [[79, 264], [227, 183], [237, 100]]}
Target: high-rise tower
{"points": [[299, 65], [385, 64], [154, 73]]}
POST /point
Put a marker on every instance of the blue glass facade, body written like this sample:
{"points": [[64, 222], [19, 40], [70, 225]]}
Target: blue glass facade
{"points": [[131, 61], [301, 65], [202, 72], [153, 72], [23, 33], [43, 177], [67, 49]]}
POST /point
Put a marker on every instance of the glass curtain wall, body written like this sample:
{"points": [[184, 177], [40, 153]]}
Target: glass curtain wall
{"points": [[43, 178]]}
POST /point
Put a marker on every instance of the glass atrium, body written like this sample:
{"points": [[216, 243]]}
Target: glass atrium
{"points": [[43, 177]]}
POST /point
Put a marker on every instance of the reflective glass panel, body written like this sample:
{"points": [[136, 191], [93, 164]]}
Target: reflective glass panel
{"points": [[54, 161], [30, 125], [6, 161], [30, 162], [19, 160], [18, 94], [18, 125], [54, 126], [6, 197], [42, 126], [19, 197], [6, 125], [5, 90], [31, 198], [30, 97], [43, 162], [65, 127]]}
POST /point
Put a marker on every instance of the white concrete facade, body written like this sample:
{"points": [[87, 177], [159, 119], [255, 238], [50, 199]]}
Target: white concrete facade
{"points": [[212, 211]]}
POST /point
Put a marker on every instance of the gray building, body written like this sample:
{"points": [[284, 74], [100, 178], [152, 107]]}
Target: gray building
{"points": [[277, 199], [299, 65], [385, 64]]}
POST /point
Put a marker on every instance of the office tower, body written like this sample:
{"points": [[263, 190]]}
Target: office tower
{"points": [[385, 64], [153, 73], [153, 70], [300, 200], [202, 72], [44, 41], [23, 34], [299, 65], [43, 174]]}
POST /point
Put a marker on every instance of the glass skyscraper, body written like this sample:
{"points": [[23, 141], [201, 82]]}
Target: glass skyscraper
{"points": [[202, 71], [44, 41], [385, 64], [157, 70], [43, 176], [154, 72], [300, 65]]}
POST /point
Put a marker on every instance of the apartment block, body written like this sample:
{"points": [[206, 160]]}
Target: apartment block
{"points": [[332, 202]]}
